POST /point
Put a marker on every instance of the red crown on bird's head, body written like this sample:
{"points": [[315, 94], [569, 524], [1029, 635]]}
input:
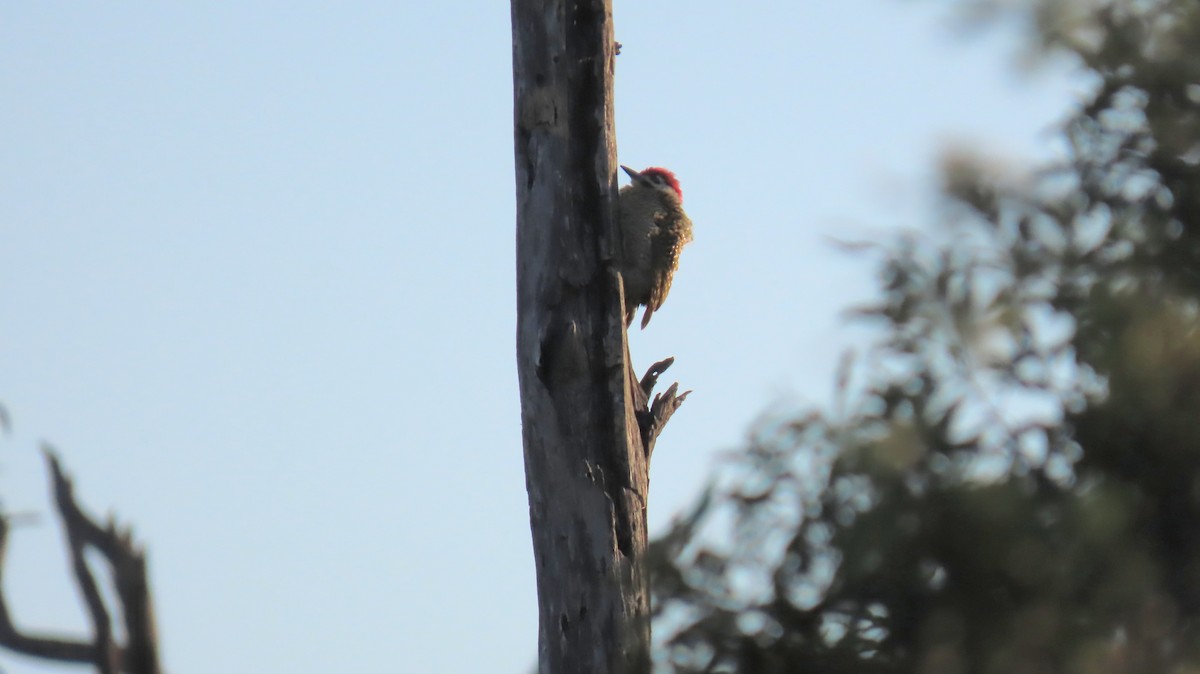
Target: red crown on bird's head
{"points": [[667, 176]]}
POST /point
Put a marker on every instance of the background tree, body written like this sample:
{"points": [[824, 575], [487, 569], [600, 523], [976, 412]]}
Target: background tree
{"points": [[1010, 480]]}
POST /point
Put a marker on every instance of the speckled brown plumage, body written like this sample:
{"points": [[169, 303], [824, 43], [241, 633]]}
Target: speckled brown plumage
{"points": [[654, 230]]}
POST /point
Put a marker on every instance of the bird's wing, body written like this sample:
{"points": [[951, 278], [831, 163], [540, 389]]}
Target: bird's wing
{"points": [[673, 232]]}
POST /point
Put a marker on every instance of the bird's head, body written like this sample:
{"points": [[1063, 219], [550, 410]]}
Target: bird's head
{"points": [[655, 178]]}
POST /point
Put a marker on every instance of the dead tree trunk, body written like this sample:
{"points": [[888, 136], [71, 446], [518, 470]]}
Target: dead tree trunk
{"points": [[587, 426]]}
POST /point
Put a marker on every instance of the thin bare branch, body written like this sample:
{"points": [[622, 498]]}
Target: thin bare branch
{"points": [[128, 563]]}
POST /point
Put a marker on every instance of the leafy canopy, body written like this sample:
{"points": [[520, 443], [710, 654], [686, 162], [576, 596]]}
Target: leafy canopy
{"points": [[1010, 480]]}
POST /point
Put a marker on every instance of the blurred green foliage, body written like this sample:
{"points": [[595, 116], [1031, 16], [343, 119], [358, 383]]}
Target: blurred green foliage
{"points": [[1010, 481]]}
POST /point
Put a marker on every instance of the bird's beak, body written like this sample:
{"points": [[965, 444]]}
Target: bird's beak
{"points": [[632, 174]]}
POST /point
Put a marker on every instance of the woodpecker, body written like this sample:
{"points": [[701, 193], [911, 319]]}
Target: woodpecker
{"points": [[654, 229]]}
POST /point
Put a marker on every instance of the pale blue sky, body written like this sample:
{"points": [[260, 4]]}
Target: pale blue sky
{"points": [[257, 285]]}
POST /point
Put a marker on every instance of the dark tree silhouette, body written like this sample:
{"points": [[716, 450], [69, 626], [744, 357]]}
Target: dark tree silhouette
{"points": [[1016, 485]]}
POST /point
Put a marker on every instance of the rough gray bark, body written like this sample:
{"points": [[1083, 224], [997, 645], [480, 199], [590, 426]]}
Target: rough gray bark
{"points": [[128, 563], [587, 426]]}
